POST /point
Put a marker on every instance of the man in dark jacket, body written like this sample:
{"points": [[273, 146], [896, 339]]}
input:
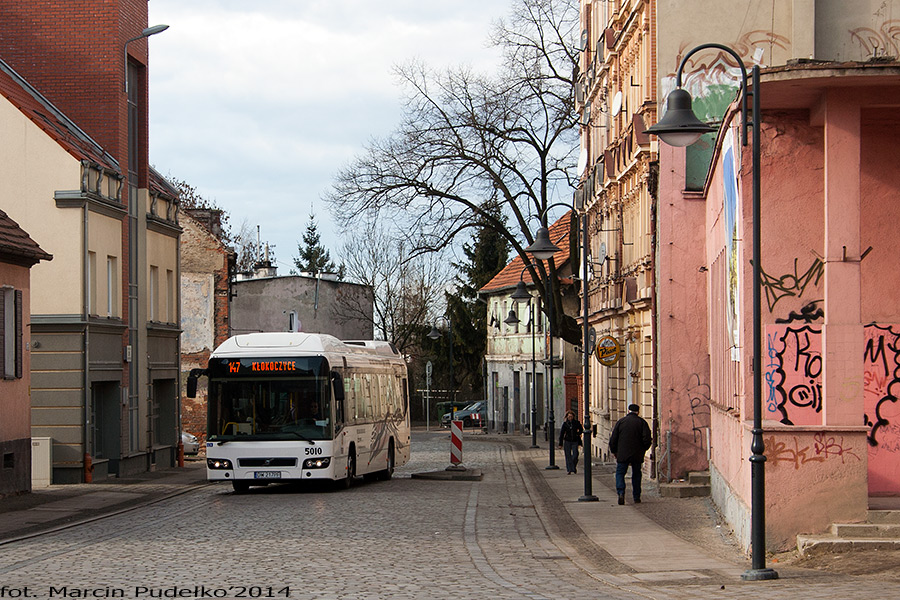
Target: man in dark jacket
{"points": [[630, 439]]}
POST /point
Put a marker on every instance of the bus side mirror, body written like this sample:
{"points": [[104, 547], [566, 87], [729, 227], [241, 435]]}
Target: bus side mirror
{"points": [[195, 374]]}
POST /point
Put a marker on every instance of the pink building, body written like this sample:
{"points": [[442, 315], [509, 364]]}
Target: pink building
{"points": [[18, 253], [830, 169]]}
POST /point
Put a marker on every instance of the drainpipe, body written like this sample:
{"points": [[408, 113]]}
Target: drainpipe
{"points": [[178, 423], [654, 353], [86, 311]]}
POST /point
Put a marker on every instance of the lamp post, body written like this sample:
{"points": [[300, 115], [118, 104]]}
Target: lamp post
{"points": [[132, 154], [434, 334], [523, 295], [588, 495], [544, 249], [681, 127]]}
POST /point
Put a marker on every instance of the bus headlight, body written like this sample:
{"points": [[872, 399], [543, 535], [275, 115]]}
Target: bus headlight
{"points": [[218, 463], [317, 463]]}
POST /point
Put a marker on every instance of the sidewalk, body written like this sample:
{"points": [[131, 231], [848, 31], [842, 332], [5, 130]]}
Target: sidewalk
{"points": [[61, 506], [628, 535]]}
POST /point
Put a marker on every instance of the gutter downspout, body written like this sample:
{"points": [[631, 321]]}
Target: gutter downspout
{"points": [[86, 311], [652, 183]]}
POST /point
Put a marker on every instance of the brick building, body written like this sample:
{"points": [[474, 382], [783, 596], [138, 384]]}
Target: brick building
{"points": [[207, 266]]}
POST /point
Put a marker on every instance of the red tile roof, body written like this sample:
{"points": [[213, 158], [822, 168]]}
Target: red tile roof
{"points": [[508, 277], [17, 245]]}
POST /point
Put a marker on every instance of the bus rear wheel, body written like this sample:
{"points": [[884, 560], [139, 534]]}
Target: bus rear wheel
{"points": [[389, 471]]}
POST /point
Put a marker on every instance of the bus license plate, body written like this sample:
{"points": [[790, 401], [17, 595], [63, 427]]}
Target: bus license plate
{"points": [[267, 474]]}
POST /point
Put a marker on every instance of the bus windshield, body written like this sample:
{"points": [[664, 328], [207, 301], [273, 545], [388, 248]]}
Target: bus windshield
{"points": [[286, 408]]}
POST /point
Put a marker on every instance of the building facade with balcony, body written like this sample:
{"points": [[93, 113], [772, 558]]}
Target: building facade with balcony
{"points": [[615, 94], [105, 315], [828, 90]]}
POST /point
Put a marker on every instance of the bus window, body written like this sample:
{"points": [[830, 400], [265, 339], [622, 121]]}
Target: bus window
{"points": [[337, 386]]}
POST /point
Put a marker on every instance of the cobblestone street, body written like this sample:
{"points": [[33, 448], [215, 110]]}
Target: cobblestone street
{"points": [[507, 536]]}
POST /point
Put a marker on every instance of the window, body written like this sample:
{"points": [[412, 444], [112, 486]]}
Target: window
{"points": [[153, 295], [170, 296], [112, 285], [91, 300], [11, 337]]}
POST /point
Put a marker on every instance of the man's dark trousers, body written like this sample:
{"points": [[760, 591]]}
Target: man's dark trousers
{"points": [[622, 468]]}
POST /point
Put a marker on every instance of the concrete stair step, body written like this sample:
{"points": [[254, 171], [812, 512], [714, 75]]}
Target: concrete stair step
{"points": [[682, 489], [698, 477], [866, 530], [811, 545], [884, 516]]}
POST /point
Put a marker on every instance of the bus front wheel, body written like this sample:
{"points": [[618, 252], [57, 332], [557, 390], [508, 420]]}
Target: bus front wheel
{"points": [[240, 487], [351, 470]]}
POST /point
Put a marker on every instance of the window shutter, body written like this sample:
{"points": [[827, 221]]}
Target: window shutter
{"points": [[20, 335], [2, 333]]}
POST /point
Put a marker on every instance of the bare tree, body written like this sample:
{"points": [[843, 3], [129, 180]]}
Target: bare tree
{"points": [[248, 249], [470, 144], [406, 288], [251, 251]]}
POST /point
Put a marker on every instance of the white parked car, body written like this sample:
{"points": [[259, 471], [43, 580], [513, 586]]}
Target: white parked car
{"points": [[190, 442]]}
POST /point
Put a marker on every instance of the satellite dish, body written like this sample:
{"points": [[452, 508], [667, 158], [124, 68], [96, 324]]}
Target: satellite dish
{"points": [[582, 161], [601, 255], [616, 103]]}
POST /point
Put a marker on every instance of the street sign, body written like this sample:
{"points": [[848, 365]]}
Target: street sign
{"points": [[607, 350]]}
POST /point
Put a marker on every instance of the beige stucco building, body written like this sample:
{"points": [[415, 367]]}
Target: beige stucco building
{"points": [[104, 316]]}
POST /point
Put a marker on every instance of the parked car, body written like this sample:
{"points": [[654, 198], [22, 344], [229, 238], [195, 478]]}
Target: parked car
{"points": [[472, 416], [190, 442]]}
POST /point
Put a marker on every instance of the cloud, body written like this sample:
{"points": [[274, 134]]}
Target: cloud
{"points": [[258, 104]]}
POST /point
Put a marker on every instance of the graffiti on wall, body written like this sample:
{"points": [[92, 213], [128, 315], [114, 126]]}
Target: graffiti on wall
{"points": [[881, 386], [792, 284], [793, 373], [698, 393], [824, 447], [878, 43], [793, 388]]}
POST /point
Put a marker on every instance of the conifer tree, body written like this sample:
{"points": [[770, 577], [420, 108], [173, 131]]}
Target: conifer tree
{"points": [[313, 257]]}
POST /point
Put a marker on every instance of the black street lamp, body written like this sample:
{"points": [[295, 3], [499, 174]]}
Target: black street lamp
{"points": [[588, 495], [435, 334], [544, 249], [523, 295], [680, 127]]}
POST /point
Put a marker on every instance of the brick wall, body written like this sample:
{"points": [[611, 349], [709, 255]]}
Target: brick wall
{"points": [[73, 52]]}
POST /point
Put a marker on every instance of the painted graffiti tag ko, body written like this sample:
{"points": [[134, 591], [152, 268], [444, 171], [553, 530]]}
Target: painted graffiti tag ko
{"points": [[794, 374]]}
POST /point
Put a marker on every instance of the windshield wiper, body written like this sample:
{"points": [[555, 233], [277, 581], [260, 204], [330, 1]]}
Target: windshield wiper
{"points": [[299, 435]]}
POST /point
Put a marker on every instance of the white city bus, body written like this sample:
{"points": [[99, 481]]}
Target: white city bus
{"points": [[297, 406]]}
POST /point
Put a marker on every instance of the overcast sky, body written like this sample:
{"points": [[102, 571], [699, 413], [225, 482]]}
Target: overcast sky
{"points": [[258, 103]]}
